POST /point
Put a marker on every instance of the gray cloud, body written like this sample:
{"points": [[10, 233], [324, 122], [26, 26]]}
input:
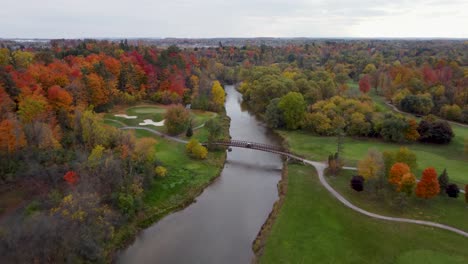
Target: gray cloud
{"points": [[249, 18]]}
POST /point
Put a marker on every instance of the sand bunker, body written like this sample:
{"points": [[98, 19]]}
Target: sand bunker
{"points": [[147, 122], [126, 116]]}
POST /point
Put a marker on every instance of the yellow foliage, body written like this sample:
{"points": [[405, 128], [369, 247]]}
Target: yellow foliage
{"points": [[217, 94]]}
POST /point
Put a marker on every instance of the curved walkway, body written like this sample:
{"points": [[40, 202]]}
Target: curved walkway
{"points": [[394, 108], [320, 167]]}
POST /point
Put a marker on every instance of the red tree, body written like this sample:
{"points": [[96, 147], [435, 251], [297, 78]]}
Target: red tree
{"points": [[428, 186], [71, 177], [364, 84]]}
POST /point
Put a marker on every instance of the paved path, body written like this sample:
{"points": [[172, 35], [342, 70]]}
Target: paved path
{"points": [[394, 108], [320, 167], [161, 134]]}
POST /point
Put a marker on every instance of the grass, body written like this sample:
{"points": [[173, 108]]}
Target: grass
{"points": [[449, 156], [156, 113], [440, 209], [313, 227]]}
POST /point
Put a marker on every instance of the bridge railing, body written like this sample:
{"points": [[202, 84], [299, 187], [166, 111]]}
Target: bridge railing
{"points": [[252, 145]]}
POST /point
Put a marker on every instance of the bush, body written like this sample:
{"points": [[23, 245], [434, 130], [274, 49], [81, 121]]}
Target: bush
{"points": [[432, 130], [452, 190], [160, 171], [199, 152], [357, 183], [126, 204]]}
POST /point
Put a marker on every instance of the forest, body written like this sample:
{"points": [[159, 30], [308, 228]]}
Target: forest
{"points": [[83, 180]]}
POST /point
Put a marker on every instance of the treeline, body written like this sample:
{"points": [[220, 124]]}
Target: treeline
{"points": [[315, 101]]}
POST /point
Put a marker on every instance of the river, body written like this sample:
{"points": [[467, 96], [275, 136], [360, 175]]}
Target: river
{"points": [[225, 219]]}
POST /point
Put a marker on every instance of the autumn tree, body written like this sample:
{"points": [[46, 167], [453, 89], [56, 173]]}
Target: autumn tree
{"points": [[396, 173], [59, 98], [406, 156], [407, 183], [293, 107], [364, 84], [32, 107], [196, 150], [412, 130], [71, 177], [372, 166], [428, 186], [12, 137], [176, 119], [217, 96]]}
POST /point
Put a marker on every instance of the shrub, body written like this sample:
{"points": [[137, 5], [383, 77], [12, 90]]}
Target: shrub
{"points": [[357, 183], [200, 152], [432, 130], [452, 190], [160, 171]]}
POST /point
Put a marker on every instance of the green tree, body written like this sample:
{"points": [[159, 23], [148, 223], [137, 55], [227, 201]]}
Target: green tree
{"points": [[274, 115], [293, 107], [444, 181], [96, 156]]}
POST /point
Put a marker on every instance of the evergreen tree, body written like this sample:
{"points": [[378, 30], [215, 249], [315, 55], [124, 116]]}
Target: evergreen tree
{"points": [[189, 132], [443, 180]]}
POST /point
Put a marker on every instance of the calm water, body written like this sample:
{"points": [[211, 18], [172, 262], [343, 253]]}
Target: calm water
{"points": [[222, 224]]}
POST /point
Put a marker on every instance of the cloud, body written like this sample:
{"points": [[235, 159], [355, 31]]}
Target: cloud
{"points": [[241, 18]]}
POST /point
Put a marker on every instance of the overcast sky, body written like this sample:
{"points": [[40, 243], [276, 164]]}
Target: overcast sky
{"points": [[233, 18]]}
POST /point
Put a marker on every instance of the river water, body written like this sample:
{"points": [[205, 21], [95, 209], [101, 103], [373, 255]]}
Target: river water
{"points": [[225, 219]]}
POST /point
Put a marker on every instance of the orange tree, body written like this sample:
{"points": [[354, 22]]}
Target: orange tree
{"points": [[428, 186], [396, 173]]}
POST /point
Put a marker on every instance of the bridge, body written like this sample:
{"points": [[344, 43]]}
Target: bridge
{"points": [[255, 146]]}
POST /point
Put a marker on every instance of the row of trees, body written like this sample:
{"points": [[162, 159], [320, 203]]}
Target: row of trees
{"points": [[395, 168]]}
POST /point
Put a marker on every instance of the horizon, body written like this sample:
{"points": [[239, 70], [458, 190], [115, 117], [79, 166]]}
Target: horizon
{"points": [[54, 19]]}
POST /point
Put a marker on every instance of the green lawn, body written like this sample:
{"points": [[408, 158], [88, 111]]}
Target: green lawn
{"points": [[440, 209], [449, 156], [313, 227]]}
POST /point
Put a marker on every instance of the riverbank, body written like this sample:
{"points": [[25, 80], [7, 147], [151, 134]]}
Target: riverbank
{"points": [[186, 180]]}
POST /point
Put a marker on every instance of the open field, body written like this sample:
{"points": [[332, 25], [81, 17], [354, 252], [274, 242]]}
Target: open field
{"points": [[312, 227]]}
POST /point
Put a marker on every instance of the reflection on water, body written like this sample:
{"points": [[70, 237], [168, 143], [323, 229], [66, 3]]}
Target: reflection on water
{"points": [[222, 224]]}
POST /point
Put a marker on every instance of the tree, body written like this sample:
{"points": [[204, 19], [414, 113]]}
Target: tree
{"points": [[357, 183], [176, 119], [274, 115], [217, 95], [196, 150], [71, 177], [428, 186], [32, 107], [364, 84], [407, 183], [452, 190], [59, 98], [443, 180], [412, 130], [145, 150], [433, 130], [12, 137], [406, 156], [293, 107], [396, 173], [189, 132], [358, 126], [418, 104], [372, 166], [394, 128], [96, 156]]}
